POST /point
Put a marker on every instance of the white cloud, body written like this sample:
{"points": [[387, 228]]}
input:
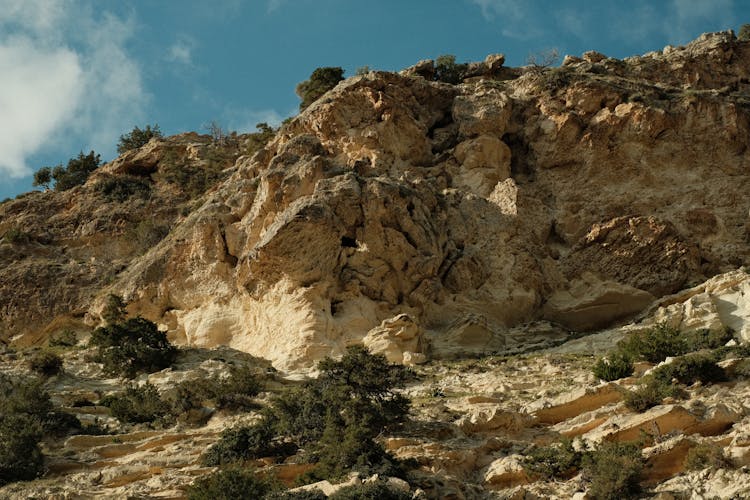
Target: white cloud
{"points": [[181, 51], [246, 120], [506, 9], [67, 79]]}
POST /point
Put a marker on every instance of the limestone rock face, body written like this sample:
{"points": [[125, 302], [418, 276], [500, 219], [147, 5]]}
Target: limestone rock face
{"points": [[399, 339], [573, 195]]}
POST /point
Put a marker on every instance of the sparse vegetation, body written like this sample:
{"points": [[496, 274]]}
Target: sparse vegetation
{"points": [[257, 140], [120, 188], [448, 71], [132, 347], [42, 178], [45, 363], [559, 460], [655, 345], [20, 456], [147, 233], [614, 366], [321, 81], [334, 418], [66, 338], [232, 483], [691, 368], [137, 137], [74, 174], [114, 309], [651, 393], [377, 490], [543, 59], [744, 33], [137, 404], [26, 414], [707, 456], [614, 471], [708, 339]]}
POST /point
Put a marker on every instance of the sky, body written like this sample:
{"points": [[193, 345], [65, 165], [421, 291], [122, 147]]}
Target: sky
{"points": [[77, 74]]}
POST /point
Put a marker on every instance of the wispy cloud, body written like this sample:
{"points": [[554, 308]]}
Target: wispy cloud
{"points": [[274, 5], [514, 17], [67, 78], [245, 121], [675, 21], [181, 51]]}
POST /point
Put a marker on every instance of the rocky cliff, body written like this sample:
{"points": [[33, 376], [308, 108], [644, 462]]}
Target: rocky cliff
{"points": [[423, 218], [441, 225]]}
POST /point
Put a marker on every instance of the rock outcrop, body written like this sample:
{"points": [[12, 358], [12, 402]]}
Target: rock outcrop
{"points": [[576, 195]]}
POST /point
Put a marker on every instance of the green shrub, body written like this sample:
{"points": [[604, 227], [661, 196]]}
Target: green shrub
{"points": [[314, 494], [370, 491], [234, 392], [76, 172], [132, 347], [691, 368], [137, 404], [707, 456], [744, 33], [321, 81], [614, 366], [26, 414], [114, 309], [24, 396], [559, 460], [244, 443], [20, 456], [651, 394], [448, 71], [137, 138], [335, 418], [233, 483], [614, 471], [192, 180], [708, 339], [655, 345], [42, 177], [237, 390], [46, 363], [120, 188], [257, 140], [66, 338]]}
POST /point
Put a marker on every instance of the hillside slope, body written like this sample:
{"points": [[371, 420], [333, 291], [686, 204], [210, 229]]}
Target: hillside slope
{"points": [[423, 218]]}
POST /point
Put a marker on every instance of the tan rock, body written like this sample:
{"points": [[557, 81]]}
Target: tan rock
{"points": [[592, 303], [399, 339], [493, 418], [664, 419], [574, 403], [506, 472], [485, 161]]}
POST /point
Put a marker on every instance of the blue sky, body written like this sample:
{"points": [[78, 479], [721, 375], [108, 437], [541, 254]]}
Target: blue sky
{"points": [[75, 74]]}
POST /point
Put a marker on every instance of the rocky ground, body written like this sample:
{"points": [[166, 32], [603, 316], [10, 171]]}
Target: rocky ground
{"points": [[472, 423], [497, 235]]}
